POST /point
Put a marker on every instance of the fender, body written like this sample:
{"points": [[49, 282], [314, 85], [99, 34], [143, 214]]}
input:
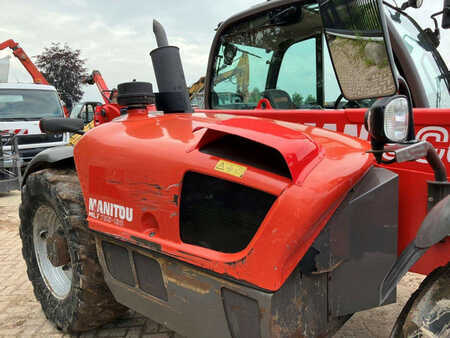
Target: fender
{"points": [[434, 229], [49, 158]]}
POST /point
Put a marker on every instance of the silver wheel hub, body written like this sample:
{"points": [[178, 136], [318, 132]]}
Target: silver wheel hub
{"points": [[51, 251]]}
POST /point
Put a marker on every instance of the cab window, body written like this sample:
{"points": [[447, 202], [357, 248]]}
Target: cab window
{"points": [[298, 74], [271, 57], [436, 88], [238, 83], [283, 60]]}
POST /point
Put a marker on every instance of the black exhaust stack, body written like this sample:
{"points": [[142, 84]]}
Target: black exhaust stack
{"points": [[173, 96]]}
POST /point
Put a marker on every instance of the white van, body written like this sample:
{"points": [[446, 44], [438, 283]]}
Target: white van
{"points": [[21, 108]]}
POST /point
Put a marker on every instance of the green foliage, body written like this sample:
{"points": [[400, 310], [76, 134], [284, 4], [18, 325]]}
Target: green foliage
{"points": [[255, 95], [310, 99], [63, 68], [297, 99]]}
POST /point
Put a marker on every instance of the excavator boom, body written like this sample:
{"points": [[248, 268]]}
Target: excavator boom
{"points": [[25, 60]]}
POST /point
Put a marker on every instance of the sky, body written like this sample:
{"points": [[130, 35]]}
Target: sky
{"points": [[116, 37]]}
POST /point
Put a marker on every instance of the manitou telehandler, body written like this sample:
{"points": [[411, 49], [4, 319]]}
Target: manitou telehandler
{"points": [[244, 221]]}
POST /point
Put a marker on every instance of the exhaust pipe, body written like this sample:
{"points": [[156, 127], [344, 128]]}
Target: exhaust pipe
{"points": [[160, 34], [173, 96]]}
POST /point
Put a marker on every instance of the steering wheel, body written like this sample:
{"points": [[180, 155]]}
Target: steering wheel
{"points": [[349, 104]]}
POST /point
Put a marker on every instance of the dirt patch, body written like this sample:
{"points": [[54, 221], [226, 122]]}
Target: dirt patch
{"points": [[9, 210]]}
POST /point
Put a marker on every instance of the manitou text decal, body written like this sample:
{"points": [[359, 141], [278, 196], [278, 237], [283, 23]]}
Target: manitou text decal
{"points": [[109, 212]]}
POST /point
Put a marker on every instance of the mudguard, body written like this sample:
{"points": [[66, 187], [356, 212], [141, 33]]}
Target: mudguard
{"points": [[46, 158], [434, 229]]}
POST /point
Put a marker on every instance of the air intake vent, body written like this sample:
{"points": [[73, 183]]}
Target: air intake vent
{"points": [[242, 150], [220, 215], [118, 263]]}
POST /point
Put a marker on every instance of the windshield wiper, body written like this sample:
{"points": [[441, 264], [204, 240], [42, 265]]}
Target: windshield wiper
{"points": [[244, 51]]}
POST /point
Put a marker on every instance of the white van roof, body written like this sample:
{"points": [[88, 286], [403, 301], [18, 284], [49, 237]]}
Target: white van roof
{"points": [[27, 86]]}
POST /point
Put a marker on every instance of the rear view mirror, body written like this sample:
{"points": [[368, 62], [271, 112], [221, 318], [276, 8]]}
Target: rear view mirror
{"points": [[229, 54], [359, 47]]}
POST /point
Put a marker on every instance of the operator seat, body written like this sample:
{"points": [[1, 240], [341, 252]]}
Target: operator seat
{"points": [[279, 99]]}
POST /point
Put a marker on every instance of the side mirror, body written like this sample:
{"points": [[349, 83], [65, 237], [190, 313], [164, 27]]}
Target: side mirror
{"points": [[61, 125], [412, 3], [356, 34], [229, 54], [446, 15]]}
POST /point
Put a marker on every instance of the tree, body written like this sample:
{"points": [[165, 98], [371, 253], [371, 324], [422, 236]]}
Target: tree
{"points": [[255, 95], [297, 99], [310, 99], [63, 68]]}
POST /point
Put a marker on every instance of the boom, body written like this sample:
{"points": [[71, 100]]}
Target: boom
{"points": [[25, 60], [96, 77]]}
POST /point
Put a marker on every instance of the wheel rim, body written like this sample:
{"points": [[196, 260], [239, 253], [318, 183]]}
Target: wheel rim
{"points": [[57, 279]]}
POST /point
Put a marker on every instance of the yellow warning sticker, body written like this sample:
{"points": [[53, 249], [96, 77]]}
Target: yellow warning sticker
{"points": [[230, 168]]}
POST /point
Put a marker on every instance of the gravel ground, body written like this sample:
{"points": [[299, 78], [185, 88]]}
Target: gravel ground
{"points": [[21, 315]]}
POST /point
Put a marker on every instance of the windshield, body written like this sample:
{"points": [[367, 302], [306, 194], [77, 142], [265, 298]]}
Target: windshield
{"points": [[278, 58], [76, 110], [29, 104], [435, 86]]}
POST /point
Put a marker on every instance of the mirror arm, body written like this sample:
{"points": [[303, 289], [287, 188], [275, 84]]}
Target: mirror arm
{"points": [[412, 152]]}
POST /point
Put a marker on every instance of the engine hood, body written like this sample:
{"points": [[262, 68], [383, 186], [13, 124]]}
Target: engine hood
{"points": [[138, 164], [297, 152]]}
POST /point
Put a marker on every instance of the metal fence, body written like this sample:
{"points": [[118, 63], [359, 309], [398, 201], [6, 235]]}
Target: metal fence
{"points": [[10, 163]]}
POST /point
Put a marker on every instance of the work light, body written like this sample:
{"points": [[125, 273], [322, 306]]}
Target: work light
{"points": [[387, 121]]}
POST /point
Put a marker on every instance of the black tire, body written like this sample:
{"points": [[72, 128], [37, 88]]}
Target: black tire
{"points": [[427, 312], [88, 303]]}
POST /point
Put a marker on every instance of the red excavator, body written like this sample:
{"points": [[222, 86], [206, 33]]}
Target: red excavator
{"points": [[252, 218]]}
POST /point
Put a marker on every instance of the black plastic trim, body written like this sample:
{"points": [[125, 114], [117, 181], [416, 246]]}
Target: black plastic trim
{"points": [[47, 158]]}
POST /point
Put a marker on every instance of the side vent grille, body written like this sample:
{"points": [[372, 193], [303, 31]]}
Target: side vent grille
{"points": [[242, 150], [148, 270], [118, 263], [149, 276], [220, 215]]}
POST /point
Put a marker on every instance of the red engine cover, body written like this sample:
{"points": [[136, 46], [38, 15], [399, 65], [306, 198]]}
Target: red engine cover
{"points": [[131, 172]]}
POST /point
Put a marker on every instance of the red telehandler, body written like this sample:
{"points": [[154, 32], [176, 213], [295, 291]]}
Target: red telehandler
{"points": [[103, 113], [20, 54], [110, 109], [245, 220]]}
